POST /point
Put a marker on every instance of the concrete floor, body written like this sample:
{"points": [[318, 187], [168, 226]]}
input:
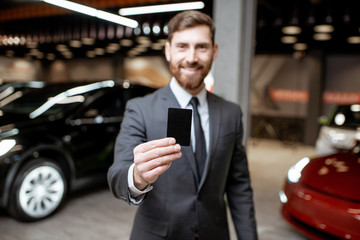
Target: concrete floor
{"points": [[95, 214]]}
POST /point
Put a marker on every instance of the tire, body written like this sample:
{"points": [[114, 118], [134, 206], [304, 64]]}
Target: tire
{"points": [[38, 191]]}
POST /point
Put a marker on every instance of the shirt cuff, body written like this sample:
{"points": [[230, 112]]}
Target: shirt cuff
{"points": [[134, 192]]}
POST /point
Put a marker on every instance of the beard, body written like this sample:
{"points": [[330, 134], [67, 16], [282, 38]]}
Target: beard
{"points": [[190, 82]]}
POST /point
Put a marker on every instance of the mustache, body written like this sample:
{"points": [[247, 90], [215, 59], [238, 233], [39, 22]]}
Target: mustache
{"points": [[192, 65]]}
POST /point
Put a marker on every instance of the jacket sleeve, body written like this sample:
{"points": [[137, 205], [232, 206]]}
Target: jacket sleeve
{"points": [[239, 191], [131, 134]]}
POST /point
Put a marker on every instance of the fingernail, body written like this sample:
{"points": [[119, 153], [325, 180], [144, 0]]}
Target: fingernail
{"points": [[177, 147], [172, 141]]}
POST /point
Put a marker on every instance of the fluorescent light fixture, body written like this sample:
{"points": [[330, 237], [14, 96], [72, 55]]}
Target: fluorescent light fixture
{"points": [[161, 8], [300, 46], [324, 28], [291, 30], [74, 7], [289, 39], [322, 36], [353, 39], [94, 12], [117, 19]]}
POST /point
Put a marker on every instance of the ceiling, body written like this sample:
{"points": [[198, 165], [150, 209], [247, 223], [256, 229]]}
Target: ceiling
{"points": [[273, 15], [47, 32]]}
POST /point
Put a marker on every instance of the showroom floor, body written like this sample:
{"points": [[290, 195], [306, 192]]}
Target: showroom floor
{"points": [[96, 214]]}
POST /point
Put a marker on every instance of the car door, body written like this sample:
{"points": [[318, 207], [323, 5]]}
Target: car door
{"points": [[93, 130]]}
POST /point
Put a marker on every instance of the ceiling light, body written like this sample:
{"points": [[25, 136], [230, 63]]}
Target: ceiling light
{"points": [[156, 28], [94, 12], [165, 29], [140, 49], [162, 41], [324, 28], [137, 31], [289, 39], [88, 41], [146, 28], [61, 47], [322, 36], [99, 51], [161, 8], [75, 43], [113, 47], [22, 41], [157, 46], [67, 54], [144, 40], [126, 42], [300, 46], [353, 39], [16, 40], [291, 30]]}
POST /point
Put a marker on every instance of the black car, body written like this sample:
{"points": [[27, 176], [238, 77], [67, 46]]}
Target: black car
{"points": [[53, 137]]}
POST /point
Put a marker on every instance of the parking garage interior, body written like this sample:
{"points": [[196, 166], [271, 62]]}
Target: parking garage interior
{"points": [[285, 82]]}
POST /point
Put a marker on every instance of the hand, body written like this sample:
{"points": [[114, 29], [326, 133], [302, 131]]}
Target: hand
{"points": [[152, 159]]}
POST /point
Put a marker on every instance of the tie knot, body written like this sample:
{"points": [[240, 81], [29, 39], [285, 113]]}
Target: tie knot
{"points": [[194, 102]]}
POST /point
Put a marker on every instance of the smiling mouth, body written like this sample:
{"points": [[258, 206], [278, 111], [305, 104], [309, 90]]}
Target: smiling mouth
{"points": [[191, 68]]}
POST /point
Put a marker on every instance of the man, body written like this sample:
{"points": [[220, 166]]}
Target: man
{"points": [[176, 199]]}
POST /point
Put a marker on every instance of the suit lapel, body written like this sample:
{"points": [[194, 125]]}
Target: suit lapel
{"points": [[214, 123], [169, 100]]}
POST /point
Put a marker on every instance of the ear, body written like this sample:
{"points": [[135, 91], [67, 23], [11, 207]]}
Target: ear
{"points": [[167, 51], [216, 49]]}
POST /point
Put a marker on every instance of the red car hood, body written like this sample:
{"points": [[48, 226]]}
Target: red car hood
{"points": [[337, 174]]}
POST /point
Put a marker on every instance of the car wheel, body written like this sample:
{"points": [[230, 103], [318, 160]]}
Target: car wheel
{"points": [[38, 191]]}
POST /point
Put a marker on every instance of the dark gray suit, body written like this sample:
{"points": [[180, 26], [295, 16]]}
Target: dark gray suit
{"points": [[180, 206]]}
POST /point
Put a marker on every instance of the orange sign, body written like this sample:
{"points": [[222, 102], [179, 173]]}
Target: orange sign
{"points": [[341, 97], [289, 95]]}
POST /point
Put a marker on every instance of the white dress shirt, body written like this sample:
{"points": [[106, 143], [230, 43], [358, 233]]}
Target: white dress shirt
{"points": [[183, 98]]}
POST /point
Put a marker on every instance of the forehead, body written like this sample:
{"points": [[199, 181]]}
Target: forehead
{"points": [[200, 33]]}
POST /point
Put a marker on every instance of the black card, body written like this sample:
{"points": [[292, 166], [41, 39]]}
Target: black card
{"points": [[179, 125]]}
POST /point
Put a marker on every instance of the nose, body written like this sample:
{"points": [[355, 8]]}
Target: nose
{"points": [[191, 57]]}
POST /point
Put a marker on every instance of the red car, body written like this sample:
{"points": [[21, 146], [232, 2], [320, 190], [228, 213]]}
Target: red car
{"points": [[321, 196]]}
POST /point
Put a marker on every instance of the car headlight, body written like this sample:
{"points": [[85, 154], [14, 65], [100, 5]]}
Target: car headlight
{"points": [[6, 145], [294, 173]]}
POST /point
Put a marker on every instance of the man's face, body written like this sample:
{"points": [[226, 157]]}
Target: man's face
{"points": [[190, 55]]}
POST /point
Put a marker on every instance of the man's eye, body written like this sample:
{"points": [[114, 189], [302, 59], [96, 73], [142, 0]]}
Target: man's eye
{"points": [[202, 47]]}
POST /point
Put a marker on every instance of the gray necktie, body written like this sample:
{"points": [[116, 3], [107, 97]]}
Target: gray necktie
{"points": [[200, 147]]}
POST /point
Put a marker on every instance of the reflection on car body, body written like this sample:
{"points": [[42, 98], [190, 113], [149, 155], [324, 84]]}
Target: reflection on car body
{"points": [[321, 196], [54, 136]]}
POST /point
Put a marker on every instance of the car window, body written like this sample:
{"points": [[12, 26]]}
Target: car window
{"points": [[32, 100], [108, 104]]}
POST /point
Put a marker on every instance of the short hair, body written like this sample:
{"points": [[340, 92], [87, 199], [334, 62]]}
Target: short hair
{"points": [[188, 19]]}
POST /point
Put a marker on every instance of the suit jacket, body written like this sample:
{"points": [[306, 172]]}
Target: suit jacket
{"points": [[182, 206]]}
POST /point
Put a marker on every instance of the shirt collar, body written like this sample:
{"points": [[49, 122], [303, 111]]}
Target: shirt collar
{"points": [[184, 97]]}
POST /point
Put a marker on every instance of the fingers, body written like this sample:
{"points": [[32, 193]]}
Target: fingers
{"points": [[144, 147], [158, 162], [154, 158]]}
